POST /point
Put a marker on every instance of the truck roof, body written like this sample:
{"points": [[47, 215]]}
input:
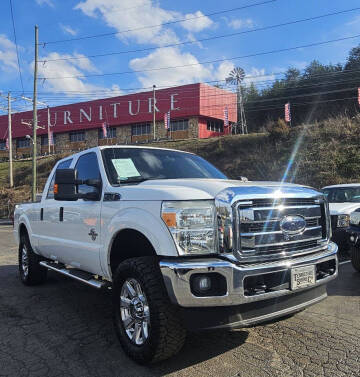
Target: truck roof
{"points": [[343, 185]]}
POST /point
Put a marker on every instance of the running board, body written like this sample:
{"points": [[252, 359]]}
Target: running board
{"points": [[79, 275]]}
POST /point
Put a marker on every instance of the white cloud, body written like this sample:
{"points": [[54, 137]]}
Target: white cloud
{"points": [[68, 29], [257, 74], [55, 71], [196, 22], [50, 3], [134, 17], [169, 57], [223, 70], [239, 23], [138, 15], [8, 61]]}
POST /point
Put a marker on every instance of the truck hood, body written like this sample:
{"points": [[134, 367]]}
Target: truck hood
{"points": [[196, 189], [343, 208]]}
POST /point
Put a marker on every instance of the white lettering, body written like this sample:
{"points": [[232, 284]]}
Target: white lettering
{"points": [[115, 108], [100, 112], [87, 116], [130, 108], [173, 101], [67, 118], [151, 105]]}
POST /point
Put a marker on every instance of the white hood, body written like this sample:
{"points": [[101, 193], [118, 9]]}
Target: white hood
{"points": [[343, 208], [192, 189]]}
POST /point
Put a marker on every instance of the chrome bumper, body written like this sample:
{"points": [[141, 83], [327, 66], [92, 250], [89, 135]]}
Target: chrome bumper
{"points": [[177, 275]]}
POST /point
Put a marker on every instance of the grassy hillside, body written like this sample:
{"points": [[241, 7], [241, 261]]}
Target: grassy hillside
{"points": [[323, 153]]}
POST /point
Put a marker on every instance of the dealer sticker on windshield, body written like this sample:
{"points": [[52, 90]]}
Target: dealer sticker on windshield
{"points": [[302, 277]]}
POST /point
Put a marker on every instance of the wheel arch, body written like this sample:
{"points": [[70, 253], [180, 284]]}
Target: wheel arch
{"points": [[128, 243]]}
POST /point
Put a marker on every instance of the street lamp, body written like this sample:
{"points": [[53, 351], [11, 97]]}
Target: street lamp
{"points": [[29, 137]]}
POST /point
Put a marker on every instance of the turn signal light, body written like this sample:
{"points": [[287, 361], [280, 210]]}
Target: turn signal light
{"points": [[169, 219]]}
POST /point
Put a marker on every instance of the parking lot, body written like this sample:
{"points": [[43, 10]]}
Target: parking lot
{"points": [[64, 329]]}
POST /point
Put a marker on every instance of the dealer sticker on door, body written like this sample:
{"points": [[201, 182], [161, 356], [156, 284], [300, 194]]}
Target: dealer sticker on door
{"points": [[302, 277]]}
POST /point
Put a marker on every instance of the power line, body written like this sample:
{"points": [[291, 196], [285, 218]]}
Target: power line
{"points": [[204, 39], [17, 49], [159, 25], [205, 62]]}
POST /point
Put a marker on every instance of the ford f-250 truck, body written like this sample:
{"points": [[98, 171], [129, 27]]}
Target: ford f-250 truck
{"points": [[180, 245]]}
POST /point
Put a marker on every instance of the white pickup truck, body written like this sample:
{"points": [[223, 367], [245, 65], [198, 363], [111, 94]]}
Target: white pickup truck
{"points": [[180, 245]]}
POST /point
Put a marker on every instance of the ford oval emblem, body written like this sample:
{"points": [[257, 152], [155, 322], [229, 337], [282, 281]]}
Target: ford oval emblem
{"points": [[292, 225]]}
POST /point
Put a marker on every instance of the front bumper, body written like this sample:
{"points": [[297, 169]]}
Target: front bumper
{"points": [[177, 275]]}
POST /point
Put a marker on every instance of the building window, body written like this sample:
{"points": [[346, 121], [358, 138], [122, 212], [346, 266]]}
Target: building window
{"points": [[111, 133], [23, 143], [45, 139], [141, 129], [2, 145], [215, 125], [77, 136], [179, 125]]}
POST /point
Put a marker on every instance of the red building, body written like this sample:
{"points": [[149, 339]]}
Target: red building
{"points": [[196, 111]]}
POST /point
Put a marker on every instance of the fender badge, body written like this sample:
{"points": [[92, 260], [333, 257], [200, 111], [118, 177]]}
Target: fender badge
{"points": [[93, 234]]}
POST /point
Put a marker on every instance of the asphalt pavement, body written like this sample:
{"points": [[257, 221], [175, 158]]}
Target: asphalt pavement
{"points": [[64, 328]]}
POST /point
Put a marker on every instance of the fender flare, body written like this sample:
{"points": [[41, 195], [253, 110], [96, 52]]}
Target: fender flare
{"points": [[151, 227]]}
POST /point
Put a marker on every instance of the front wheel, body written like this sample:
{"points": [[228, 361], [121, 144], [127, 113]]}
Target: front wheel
{"points": [[31, 273], [355, 257], [146, 323]]}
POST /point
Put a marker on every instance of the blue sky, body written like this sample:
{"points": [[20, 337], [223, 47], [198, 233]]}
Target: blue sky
{"points": [[59, 20]]}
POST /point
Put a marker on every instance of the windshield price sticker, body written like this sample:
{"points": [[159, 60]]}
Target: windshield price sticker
{"points": [[125, 168], [302, 277]]}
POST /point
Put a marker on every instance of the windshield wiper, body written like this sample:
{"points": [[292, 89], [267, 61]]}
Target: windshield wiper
{"points": [[136, 180]]}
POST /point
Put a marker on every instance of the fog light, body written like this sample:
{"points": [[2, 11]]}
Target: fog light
{"points": [[204, 283], [352, 238]]}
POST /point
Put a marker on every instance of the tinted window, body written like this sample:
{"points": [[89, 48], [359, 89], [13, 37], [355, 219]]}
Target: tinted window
{"points": [[134, 164], [87, 168], [62, 165], [343, 194]]}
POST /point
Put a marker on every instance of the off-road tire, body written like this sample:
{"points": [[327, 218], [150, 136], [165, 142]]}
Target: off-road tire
{"points": [[166, 334], [35, 274], [355, 257]]}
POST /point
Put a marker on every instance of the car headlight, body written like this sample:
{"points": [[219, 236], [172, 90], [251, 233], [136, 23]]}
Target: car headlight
{"points": [[192, 225], [355, 218], [343, 221]]}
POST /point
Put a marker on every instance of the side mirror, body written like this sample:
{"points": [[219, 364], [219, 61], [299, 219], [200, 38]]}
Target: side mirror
{"points": [[65, 186]]}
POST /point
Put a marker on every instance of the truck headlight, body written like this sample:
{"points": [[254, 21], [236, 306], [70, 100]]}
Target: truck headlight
{"points": [[343, 221], [192, 225], [355, 218]]}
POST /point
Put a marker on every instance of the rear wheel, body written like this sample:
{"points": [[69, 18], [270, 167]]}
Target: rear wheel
{"points": [[355, 257], [146, 323], [31, 273]]}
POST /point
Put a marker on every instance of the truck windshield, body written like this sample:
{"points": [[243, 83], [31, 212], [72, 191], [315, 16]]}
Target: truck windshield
{"points": [[343, 194], [131, 165]]}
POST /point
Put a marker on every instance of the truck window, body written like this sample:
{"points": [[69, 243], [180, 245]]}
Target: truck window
{"points": [[88, 168], [62, 165]]}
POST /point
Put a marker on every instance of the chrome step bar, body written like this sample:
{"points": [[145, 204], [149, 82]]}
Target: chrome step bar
{"points": [[82, 276]]}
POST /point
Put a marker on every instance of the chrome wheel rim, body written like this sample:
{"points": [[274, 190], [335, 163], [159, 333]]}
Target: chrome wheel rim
{"points": [[135, 313], [25, 261]]}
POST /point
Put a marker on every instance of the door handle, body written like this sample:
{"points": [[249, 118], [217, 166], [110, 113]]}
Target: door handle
{"points": [[61, 214]]}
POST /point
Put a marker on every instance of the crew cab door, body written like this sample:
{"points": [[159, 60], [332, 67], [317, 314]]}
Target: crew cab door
{"points": [[79, 221]]}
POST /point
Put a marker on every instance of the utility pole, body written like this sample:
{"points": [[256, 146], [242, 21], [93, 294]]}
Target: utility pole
{"points": [[154, 115], [10, 142], [34, 182]]}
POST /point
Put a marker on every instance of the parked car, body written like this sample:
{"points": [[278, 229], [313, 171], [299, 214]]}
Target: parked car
{"points": [[354, 238], [343, 199], [180, 245]]}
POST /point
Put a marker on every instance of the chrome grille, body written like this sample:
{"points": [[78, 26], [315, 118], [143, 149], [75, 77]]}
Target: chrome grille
{"points": [[259, 235]]}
